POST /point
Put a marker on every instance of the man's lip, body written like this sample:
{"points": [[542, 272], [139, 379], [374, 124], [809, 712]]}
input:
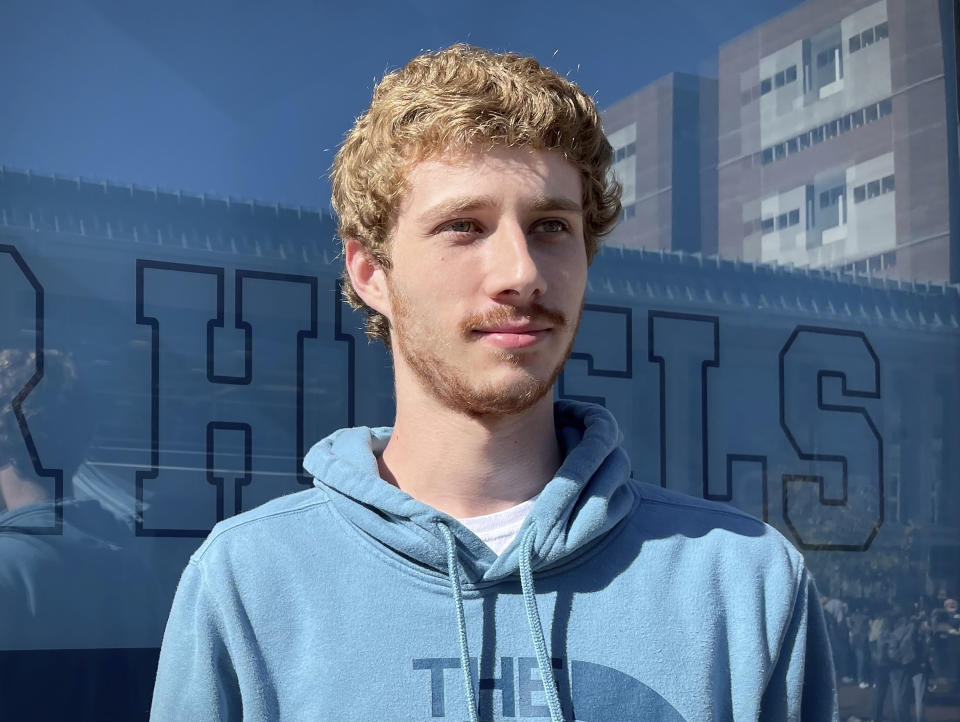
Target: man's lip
{"points": [[524, 328]]}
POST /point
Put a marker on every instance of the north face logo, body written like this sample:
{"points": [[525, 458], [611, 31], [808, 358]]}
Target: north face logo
{"points": [[595, 692]]}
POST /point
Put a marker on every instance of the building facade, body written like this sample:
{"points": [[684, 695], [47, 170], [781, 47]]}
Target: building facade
{"points": [[828, 140], [664, 138], [837, 140]]}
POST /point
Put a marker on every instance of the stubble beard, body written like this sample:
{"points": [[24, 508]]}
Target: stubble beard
{"points": [[423, 351]]}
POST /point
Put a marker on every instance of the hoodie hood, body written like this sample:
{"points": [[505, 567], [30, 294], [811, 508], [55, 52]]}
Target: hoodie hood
{"points": [[586, 498]]}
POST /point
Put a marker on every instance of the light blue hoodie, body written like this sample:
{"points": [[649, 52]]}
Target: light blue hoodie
{"points": [[354, 601]]}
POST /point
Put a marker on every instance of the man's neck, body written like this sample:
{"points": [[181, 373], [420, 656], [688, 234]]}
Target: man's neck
{"points": [[466, 466]]}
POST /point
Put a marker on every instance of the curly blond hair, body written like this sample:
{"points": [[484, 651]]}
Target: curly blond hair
{"points": [[463, 98]]}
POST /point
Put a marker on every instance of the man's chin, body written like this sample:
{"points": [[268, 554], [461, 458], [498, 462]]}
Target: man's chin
{"points": [[499, 402]]}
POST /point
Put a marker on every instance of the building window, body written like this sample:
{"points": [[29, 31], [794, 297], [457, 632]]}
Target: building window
{"points": [[767, 155], [882, 30], [804, 139], [631, 149], [873, 189], [854, 43], [766, 225], [831, 197], [630, 211], [857, 117], [887, 184], [781, 221], [816, 135], [885, 107], [791, 73], [794, 218], [866, 37], [845, 123], [833, 127], [765, 86], [779, 80], [792, 145], [824, 58], [859, 194], [779, 151], [872, 113]]}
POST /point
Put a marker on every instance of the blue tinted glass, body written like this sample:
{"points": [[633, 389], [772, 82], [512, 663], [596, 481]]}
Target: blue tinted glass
{"points": [[173, 335]]}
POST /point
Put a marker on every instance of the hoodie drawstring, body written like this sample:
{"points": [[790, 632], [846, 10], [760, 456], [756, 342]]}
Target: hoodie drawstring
{"points": [[536, 629], [453, 571], [533, 621]]}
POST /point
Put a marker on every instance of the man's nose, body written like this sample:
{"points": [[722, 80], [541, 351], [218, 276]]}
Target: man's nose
{"points": [[514, 274]]}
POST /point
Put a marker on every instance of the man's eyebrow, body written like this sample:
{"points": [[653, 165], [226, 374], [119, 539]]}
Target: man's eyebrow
{"points": [[465, 204], [453, 206], [555, 203]]}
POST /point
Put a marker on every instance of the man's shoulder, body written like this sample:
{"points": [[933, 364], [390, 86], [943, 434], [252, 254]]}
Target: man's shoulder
{"points": [[273, 522], [711, 527]]}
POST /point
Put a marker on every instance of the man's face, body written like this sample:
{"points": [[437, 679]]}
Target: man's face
{"points": [[488, 276]]}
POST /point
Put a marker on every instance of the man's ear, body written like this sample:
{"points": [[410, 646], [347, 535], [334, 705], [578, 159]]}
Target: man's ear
{"points": [[367, 276]]}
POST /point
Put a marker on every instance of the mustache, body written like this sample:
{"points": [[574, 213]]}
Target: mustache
{"points": [[532, 313]]}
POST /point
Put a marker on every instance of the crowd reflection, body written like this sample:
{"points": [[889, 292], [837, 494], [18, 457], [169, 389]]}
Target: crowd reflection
{"points": [[905, 653]]}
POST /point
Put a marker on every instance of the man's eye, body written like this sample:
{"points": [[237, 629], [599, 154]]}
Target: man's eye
{"points": [[552, 225], [461, 226]]}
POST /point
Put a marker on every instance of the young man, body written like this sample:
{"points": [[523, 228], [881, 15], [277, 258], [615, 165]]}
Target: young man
{"points": [[488, 557]]}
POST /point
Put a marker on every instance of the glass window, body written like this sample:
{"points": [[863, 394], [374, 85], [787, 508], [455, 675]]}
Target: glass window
{"points": [[194, 347]]}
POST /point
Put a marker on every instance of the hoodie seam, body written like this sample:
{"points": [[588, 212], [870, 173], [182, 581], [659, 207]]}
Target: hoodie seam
{"points": [[718, 509], [785, 628], [215, 536]]}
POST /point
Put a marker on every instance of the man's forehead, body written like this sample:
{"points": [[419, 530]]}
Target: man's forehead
{"points": [[468, 179]]}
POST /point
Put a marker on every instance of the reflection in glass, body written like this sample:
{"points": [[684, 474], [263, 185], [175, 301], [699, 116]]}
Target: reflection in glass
{"points": [[69, 577]]}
